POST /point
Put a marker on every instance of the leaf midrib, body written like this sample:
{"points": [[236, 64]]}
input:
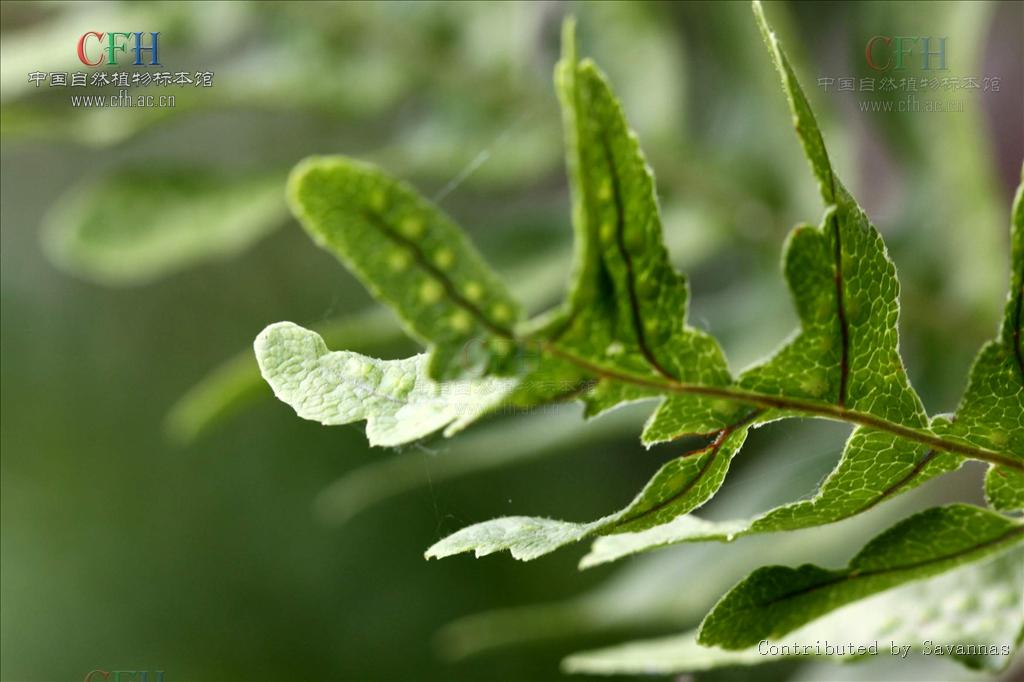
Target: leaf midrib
{"points": [[620, 241]]}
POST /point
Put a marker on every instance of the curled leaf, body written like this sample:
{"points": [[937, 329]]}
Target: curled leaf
{"points": [[396, 398]]}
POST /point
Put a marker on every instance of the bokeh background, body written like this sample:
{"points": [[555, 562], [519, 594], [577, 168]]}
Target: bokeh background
{"points": [[160, 511]]}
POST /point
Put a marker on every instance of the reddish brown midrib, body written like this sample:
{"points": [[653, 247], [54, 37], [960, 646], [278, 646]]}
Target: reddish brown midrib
{"points": [[715, 446]]}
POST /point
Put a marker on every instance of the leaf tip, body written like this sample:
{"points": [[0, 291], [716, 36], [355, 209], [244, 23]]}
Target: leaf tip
{"points": [[569, 38], [297, 178]]}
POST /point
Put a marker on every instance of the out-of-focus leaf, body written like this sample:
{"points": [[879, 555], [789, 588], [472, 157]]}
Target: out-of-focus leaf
{"points": [[503, 444], [136, 225]]}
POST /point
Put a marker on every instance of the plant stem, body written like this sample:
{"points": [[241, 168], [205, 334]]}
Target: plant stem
{"points": [[825, 410]]}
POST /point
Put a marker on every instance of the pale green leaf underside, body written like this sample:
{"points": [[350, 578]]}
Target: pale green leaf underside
{"points": [[775, 600], [137, 225], [971, 613], [644, 595], [678, 487], [396, 398], [236, 382], [411, 257]]}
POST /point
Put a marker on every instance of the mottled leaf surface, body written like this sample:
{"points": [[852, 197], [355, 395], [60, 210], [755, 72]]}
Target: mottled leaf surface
{"points": [[236, 382], [845, 291], [625, 313], [622, 336]]}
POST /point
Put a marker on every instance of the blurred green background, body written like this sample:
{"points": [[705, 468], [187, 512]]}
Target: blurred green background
{"points": [[222, 538]]}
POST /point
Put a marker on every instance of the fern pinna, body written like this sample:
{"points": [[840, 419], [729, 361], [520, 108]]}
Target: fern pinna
{"points": [[621, 335]]}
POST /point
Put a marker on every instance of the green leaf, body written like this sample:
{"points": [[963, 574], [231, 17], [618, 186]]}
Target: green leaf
{"points": [[845, 289], [970, 614], [621, 336], [399, 402], [626, 307], [137, 225], [618, 324], [776, 600], [991, 413], [625, 312], [874, 467], [413, 258], [645, 595], [846, 353], [846, 293], [236, 383]]}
